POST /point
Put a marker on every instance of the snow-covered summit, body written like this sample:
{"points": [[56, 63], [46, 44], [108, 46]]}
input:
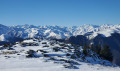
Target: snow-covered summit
{"points": [[59, 32]]}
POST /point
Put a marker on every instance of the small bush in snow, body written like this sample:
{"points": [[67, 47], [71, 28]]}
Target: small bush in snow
{"points": [[52, 43], [46, 46], [45, 55], [73, 56], [67, 54], [9, 52], [31, 53], [9, 48], [71, 66], [56, 49], [29, 44], [52, 58], [44, 42], [7, 45], [42, 51], [61, 44]]}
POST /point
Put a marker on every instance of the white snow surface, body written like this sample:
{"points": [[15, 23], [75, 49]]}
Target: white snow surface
{"points": [[2, 37], [30, 31], [15, 62], [38, 64]]}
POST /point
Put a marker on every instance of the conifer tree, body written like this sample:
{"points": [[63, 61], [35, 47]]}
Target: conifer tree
{"points": [[86, 49], [106, 53], [97, 49]]}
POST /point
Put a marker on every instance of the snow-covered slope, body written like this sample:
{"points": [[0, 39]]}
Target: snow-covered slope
{"points": [[50, 55], [30, 31]]}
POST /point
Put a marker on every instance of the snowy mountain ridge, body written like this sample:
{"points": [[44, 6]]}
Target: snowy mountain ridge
{"points": [[30, 31]]}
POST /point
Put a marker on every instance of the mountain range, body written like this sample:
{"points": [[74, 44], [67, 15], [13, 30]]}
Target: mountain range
{"points": [[90, 34], [59, 32]]}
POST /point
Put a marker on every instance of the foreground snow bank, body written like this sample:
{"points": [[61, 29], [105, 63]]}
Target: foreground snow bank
{"points": [[38, 64]]}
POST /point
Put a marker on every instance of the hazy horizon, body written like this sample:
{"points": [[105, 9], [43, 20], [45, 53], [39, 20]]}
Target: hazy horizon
{"points": [[61, 25]]}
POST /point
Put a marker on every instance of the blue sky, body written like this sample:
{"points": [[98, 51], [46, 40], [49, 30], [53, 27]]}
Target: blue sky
{"points": [[59, 12]]}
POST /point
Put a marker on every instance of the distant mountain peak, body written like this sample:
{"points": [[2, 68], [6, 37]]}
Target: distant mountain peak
{"points": [[61, 32]]}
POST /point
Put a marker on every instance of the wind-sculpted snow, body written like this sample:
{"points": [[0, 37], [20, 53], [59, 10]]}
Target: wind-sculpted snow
{"points": [[59, 32]]}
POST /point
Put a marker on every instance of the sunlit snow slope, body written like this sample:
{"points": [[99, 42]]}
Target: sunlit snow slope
{"points": [[50, 55], [59, 32]]}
